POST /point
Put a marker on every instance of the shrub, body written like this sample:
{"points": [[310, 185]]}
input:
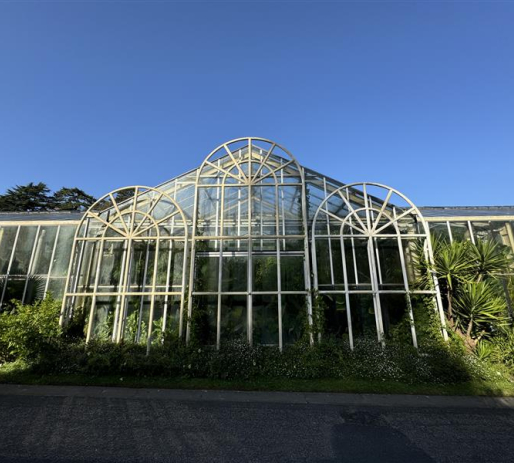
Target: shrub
{"points": [[27, 331]]}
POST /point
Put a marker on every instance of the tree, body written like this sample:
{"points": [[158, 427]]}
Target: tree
{"points": [[27, 198], [72, 199]]}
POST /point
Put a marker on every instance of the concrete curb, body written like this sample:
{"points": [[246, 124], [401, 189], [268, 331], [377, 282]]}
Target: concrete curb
{"points": [[305, 398]]}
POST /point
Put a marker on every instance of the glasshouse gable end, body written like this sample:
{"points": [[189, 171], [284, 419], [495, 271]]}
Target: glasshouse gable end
{"points": [[248, 245]]}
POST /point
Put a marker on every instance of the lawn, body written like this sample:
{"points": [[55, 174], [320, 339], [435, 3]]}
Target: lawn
{"points": [[17, 373]]}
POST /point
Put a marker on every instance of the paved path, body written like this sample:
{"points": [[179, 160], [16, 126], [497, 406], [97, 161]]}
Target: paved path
{"points": [[79, 424]]}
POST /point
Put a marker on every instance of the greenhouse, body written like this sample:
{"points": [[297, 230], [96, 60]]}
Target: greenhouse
{"points": [[251, 243]]}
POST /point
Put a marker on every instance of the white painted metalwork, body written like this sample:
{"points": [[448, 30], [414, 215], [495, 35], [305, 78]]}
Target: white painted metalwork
{"points": [[115, 271], [244, 186], [387, 224]]}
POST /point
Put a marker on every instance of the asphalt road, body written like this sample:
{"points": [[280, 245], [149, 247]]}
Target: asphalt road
{"points": [[95, 425]]}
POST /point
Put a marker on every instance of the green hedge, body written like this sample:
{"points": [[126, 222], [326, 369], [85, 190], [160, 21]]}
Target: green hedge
{"points": [[32, 334]]}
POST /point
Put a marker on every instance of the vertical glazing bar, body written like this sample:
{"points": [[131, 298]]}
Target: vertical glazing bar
{"points": [[449, 231], [250, 268], [120, 297], [143, 287], [152, 297], [354, 254], [405, 281], [429, 256], [508, 226], [471, 234], [306, 251], [192, 259], [31, 261], [171, 245], [279, 274], [332, 279], [95, 290], [375, 290], [346, 289], [11, 258], [220, 271], [125, 285]]}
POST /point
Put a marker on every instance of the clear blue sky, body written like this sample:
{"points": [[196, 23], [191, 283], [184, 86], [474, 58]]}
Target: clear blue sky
{"points": [[417, 95]]}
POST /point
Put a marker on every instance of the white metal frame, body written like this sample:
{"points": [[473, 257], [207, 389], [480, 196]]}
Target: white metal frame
{"points": [[249, 163], [370, 218], [127, 222]]}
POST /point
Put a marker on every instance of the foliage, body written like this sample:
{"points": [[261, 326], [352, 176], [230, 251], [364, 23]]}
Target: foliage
{"points": [[72, 199], [28, 331], [30, 197], [36, 197], [477, 307], [469, 277]]}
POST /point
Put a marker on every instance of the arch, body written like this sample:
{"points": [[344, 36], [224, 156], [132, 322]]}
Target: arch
{"points": [[364, 234], [247, 189], [129, 255]]}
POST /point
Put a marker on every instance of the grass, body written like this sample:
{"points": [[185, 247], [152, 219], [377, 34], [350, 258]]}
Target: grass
{"points": [[18, 373]]}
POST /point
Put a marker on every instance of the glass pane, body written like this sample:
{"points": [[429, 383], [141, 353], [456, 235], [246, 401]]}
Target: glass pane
{"points": [[137, 318], [206, 274], [233, 317], [44, 247], [264, 211], [7, 237], [208, 211], [336, 317], [141, 268], [323, 262], [235, 211], [13, 290], [24, 246], [460, 231], [264, 273], [56, 287], [363, 315], [265, 319], [390, 275], [104, 318], [290, 207], [294, 317], [204, 319], [234, 274], [63, 251], [110, 269], [36, 289], [171, 307], [395, 317], [292, 273], [439, 230]]}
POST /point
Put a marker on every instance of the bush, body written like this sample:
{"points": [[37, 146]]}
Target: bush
{"points": [[32, 334], [27, 331]]}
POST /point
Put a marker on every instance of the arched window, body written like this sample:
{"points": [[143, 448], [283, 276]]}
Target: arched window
{"points": [[363, 239], [250, 266], [127, 272]]}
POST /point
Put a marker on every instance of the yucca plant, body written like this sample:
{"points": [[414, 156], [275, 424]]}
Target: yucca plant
{"points": [[478, 305], [490, 259], [453, 266]]}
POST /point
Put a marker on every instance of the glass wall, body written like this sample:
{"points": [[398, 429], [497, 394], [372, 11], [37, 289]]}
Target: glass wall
{"points": [[34, 260], [364, 238], [128, 266], [249, 266], [500, 231]]}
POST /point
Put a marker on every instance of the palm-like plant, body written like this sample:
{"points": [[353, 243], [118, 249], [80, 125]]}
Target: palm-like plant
{"points": [[468, 276], [477, 306], [452, 266], [490, 259]]}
